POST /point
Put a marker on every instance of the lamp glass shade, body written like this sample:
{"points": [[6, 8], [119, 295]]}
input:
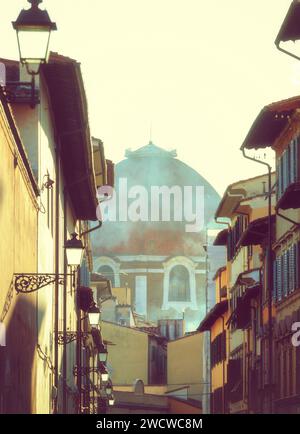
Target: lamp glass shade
{"points": [[74, 256], [103, 357], [104, 377], [111, 400], [103, 354], [74, 251], [109, 389], [34, 27], [94, 316], [33, 45]]}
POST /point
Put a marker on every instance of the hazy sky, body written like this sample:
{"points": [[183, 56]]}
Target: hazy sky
{"points": [[199, 71]]}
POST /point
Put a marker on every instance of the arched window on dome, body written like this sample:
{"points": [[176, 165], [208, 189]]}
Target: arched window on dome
{"points": [[179, 286], [107, 272]]}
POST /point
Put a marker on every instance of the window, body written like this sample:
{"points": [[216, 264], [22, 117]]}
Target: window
{"points": [[234, 236], [218, 349], [286, 273], [179, 287], [141, 295], [107, 272], [287, 360], [288, 167]]}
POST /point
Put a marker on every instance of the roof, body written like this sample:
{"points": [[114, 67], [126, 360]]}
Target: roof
{"points": [[68, 99], [219, 271], [229, 202], [240, 191], [136, 329], [290, 30], [221, 238], [187, 335], [150, 150], [270, 123], [256, 232], [215, 313], [154, 168]]}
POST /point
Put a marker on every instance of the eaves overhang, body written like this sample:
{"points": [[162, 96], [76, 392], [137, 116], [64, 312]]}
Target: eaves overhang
{"points": [[69, 105], [290, 30], [216, 312], [270, 123]]}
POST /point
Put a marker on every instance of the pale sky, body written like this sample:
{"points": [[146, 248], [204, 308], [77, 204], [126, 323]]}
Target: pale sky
{"points": [[198, 71]]}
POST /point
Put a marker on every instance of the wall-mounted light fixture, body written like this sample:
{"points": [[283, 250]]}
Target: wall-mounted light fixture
{"points": [[30, 282], [109, 389], [94, 315], [103, 353], [34, 28], [74, 251], [104, 373], [111, 400]]}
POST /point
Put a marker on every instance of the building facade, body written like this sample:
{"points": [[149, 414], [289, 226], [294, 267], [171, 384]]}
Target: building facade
{"points": [[238, 323], [277, 127], [48, 192]]}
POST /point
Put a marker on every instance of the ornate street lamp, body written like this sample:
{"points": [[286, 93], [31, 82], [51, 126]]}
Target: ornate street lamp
{"points": [[109, 389], [33, 27], [104, 374], [290, 29], [94, 315], [103, 353], [74, 251], [111, 400]]}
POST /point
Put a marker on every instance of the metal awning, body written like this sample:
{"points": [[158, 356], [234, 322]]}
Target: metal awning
{"points": [[255, 233], [270, 123], [290, 29], [221, 238], [215, 313]]}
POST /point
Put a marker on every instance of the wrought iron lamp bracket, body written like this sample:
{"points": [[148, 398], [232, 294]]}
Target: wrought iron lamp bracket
{"points": [[68, 337], [84, 371], [32, 282]]}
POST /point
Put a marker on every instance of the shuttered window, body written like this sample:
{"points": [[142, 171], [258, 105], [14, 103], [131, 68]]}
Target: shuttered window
{"points": [[275, 280], [234, 236], [286, 269], [288, 167], [218, 349], [292, 268], [279, 278]]}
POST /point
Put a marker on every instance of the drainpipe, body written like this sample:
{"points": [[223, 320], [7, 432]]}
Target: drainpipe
{"points": [[79, 350], [223, 367], [56, 290], [64, 361], [269, 275]]}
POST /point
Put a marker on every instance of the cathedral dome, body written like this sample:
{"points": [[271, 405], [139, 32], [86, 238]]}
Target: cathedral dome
{"points": [[147, 167]]}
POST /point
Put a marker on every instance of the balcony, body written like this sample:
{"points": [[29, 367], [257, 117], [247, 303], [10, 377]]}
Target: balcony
{"points": [[21, 93]]}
